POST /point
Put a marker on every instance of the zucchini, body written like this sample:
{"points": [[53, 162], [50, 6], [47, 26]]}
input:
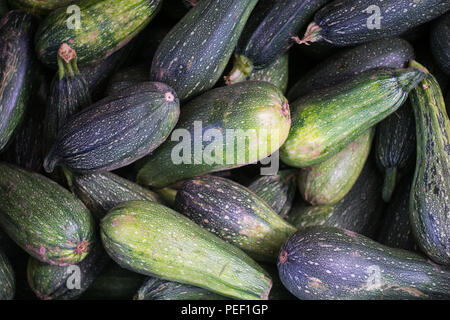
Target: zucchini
{"points": [[235, 214], [159, 289], [125, 78], [240, 111], [429, 203], [328, 182], [350, 22], [440, 42], [102, 191], [38, 7], [331, 263], [395, 146], [16, 71], [277, 191], [105, 27], [117, 130], [154, 240], [168, 195], [7, 278], [44, 219], [269, 32], [278, 291], [194, 54], [389, 53], [50, 282], [327, 120]]}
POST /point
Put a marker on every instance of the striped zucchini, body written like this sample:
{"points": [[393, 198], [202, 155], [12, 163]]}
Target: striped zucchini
{"points": [[7, 278], [440, 42]]}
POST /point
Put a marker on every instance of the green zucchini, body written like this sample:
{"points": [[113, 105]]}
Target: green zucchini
{"points": [[154, 240], [117, 130], [440, 42], [39, 7], [240, 111], [235, 214], [328, 182], [102, 191], [331, 263], [429, 203], [125, 78], [389, 53], [194, 54], [104, 27], [327, 120], [395, 144], [158, 289], [7, 278], [350, 22], [43, 218], [277, 191], [167, 195], [16, 71]]}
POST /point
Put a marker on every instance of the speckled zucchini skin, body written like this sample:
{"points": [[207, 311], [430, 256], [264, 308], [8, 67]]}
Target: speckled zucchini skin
{"points": [[7, 278], [117, 130], [277, 191], [102, 191], [38, 7], [395, 147], [106, 26], [159, 289], [358, 211], [126, 77], [154, 240], [235, 214], [328, 182], [43, 218], [331, 263], [51, 282], [429, 203], [345, 22], [244, 106], [194, 54], [389, 53], [440, 42], [16, 71], [326, 121], [276, 73]]}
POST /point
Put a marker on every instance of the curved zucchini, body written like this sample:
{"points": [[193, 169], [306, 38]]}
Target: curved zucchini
{"points": [[16, 71], [231, 115], [235, 214], [440, 42], [117, 130], [39, 7], [168, 195], [429, 203], [194, 54], [328, 182], [7, 278], [104, 27], [327, 120], [350, 22], [44, 219], [331, 263], [125, 78], [154, 240]]}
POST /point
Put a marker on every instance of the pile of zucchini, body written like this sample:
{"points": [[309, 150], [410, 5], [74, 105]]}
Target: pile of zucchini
{"points": [[345, 97]]}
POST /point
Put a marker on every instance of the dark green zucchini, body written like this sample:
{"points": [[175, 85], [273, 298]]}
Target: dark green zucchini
{"points": [[159, 289], [102, 191], [105, 27], [389, 53], [235, 214], [429, 202], [39, 7], [231, 115], [7, 278], [330, 263], [154, 240], [117, 130], [43, 218], [167, 195], [326, 183], [395, 146], [350, 22], [269, 33], [358, 211], [125, 78], [16, 71], [440, 42], [50, 282], [277, 191], [327, 120], [194, 54]]}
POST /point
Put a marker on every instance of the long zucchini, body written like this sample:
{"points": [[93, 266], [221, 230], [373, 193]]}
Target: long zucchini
{"points": [[7, 278], [440, 42]]}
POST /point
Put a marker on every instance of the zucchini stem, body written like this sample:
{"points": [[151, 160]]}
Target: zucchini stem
{"points": [[312, 34], [242, 68], [67, 61]]}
